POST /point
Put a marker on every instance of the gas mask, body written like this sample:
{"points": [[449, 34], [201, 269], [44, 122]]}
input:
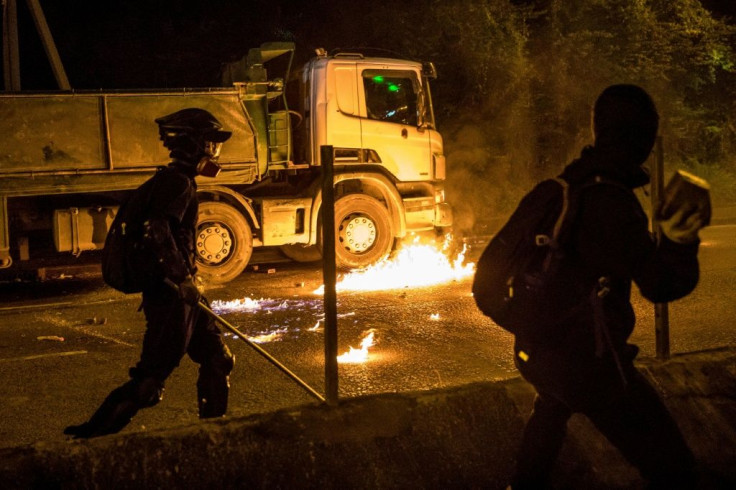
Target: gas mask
{"points": [[207, 166]]}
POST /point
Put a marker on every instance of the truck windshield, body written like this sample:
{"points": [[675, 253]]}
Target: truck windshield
{"points": [[391, 95]]}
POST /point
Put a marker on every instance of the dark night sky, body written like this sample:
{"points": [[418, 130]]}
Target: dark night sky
{"points": [[158, 43], [140, 43], [172, 43]]}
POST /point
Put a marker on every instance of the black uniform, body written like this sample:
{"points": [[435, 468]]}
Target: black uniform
{"points": [[590, 370], [173, 327]]}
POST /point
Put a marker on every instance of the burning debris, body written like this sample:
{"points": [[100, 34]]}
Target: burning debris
{"points": [[357, 356]]}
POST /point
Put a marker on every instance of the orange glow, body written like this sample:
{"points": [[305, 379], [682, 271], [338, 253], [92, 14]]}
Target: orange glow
{"points": [[357, 356], [415, 265]]}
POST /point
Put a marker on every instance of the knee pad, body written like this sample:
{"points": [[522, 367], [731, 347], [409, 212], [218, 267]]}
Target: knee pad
{"points": [[213, 385], [220, 364], [226, 362]]}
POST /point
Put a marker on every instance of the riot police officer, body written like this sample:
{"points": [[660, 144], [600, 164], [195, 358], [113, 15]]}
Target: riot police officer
{"points": [[174, 323]]}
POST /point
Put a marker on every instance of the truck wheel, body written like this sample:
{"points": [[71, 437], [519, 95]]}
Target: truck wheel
{"points": [[302, 253], [362, 231], [224, 242]]}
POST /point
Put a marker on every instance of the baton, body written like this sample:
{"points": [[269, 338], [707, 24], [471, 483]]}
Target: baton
{"points": [[269, 357]]}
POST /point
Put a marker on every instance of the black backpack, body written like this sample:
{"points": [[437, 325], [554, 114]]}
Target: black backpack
{"points": [[516, 282], [127, 263]]}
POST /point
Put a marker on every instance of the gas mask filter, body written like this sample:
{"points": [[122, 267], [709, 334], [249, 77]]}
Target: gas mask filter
{"points": [[207, 166]]}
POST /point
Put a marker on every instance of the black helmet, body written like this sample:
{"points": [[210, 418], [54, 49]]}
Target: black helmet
{"points": [[198, 124]]}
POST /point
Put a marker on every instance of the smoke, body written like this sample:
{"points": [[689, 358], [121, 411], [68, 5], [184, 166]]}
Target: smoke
{"points": [[489, 168]]}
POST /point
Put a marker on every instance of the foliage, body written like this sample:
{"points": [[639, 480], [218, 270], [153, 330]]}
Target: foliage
{"points": [[572, 49], [674, 48]]}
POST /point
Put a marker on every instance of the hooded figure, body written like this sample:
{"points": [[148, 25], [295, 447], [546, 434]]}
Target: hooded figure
{"points": [[174, 325], [589, 369]]}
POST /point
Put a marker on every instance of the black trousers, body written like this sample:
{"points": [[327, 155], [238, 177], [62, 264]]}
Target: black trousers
{"points": [[173, 329], [631, 416]]}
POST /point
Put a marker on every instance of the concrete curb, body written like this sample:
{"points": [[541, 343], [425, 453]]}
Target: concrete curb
{"points": [[463, 437]]}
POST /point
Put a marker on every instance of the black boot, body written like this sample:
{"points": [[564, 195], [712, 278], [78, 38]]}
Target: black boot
{"points": [[119, 408], [83, 431], [213, 387]]}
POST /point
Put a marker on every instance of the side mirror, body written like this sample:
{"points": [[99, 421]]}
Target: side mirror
{"points": [[428, 70]]}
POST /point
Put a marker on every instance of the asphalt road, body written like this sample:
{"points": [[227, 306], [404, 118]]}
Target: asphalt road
{"points": [[425, 338]]}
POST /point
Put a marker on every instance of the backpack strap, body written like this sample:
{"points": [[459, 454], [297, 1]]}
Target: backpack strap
{"points": [[570, 203], [565, 207], [542, 240], [553, 242], [599, 291], [602, 333]]}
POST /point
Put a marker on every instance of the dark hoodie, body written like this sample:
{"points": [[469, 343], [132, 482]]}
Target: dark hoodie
{"points": [[611, 239]]}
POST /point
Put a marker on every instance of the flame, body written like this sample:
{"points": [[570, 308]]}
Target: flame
{"points": [[290, 326], [241, 304], [415, 265], [357, 356], [264, 305]]}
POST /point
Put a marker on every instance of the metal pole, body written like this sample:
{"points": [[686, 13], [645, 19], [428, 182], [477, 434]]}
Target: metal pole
{"points": [[329, 272], [661, 310], [11, 63], [5, 259], [255, 346], [48, 44]]}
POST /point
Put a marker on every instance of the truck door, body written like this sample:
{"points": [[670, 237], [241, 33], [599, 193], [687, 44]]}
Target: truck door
{"points": [[390, 103], [342, 121]]}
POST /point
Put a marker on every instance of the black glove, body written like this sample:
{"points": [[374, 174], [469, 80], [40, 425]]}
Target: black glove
{"points": [[188, 291]]}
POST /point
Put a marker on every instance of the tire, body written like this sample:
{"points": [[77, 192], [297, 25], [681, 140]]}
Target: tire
{"points": [[302, 253], [223, 244], [363, 234]]}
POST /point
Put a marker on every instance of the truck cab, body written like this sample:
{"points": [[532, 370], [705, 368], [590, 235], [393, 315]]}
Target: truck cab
{"points": [[373, 112], [377, 114]]}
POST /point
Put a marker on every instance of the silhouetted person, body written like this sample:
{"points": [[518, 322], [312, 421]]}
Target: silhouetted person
{"points": [[174, 324], [588, 370]]}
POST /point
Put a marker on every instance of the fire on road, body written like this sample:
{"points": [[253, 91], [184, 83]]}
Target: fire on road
{"points": [[414, 265]]}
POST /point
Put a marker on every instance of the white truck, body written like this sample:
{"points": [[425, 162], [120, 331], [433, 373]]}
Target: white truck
{"points": [[68, 158]]}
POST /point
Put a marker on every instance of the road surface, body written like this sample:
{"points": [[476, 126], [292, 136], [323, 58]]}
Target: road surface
{"points": [[65, 344]]}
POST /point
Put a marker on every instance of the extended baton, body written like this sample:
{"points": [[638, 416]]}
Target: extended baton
{"points": [[252, 344]]}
